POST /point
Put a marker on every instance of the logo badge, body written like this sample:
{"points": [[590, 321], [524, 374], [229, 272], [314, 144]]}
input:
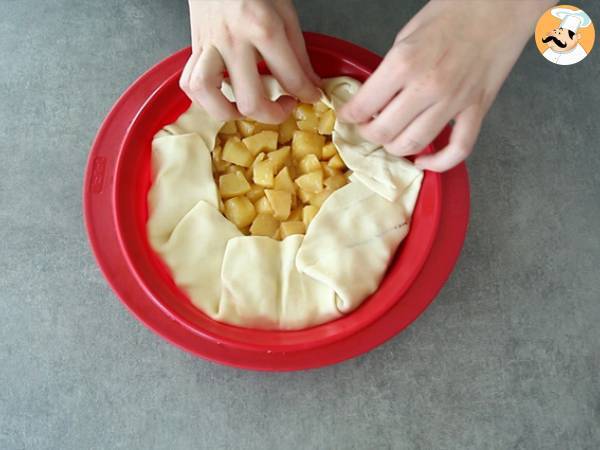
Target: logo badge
{"points": [[565, 35]]}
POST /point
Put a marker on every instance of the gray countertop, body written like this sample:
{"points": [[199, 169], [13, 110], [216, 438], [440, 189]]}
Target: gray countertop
{"points": [[508, 356]]}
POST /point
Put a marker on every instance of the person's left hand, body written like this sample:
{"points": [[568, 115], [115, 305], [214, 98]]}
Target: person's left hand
{"points": [[448, 62]]}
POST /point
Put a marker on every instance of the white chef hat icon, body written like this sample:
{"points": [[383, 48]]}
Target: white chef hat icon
{"points": [[572, 19]]}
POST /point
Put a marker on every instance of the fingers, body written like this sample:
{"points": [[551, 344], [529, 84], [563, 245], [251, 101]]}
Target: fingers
{"points": [[249, 92], [401, 64], [184, 79], [202, 77], [463, 138], [421, 131], [273, 30], [419, 112], [284, 65], [408, 60], [377, 91], [397, 115], [203, 84]]}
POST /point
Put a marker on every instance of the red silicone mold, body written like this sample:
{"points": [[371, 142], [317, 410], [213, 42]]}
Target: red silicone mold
{"points": [[116, 184]]}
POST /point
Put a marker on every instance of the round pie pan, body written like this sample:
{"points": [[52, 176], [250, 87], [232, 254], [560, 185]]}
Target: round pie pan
{"points": [[116, 182], [133, 179]]}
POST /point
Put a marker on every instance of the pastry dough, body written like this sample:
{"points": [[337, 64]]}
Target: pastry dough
{"points": [[259, 282]]}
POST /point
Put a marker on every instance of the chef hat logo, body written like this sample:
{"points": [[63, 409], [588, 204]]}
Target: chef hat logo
{"points": [[565, 35], [572, 20]]}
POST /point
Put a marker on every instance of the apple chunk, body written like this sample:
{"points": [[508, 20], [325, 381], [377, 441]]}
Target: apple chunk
{"points": [[265, 141], [264, 225], [236, 152], [240, 211], [233, 184], [306, 143], [311, 182], [281, 203], [292, 227]]}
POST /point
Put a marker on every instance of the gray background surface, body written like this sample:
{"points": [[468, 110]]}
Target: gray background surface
{"points": [[508, 356]]}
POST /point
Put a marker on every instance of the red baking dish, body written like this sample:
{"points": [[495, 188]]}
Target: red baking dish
{"points": [[115, 188]]}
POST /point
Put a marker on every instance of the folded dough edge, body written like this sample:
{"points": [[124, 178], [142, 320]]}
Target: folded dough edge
{"points": [[258, 282]]}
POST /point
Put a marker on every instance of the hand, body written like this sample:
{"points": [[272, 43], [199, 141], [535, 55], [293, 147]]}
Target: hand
{"points": [[448, 62], [230, 35]]}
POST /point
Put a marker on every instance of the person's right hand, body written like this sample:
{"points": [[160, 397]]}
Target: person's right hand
{"points": [[230, 35]]}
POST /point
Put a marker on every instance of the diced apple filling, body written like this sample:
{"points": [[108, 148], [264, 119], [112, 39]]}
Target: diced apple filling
{"points": [[274, 178]]}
